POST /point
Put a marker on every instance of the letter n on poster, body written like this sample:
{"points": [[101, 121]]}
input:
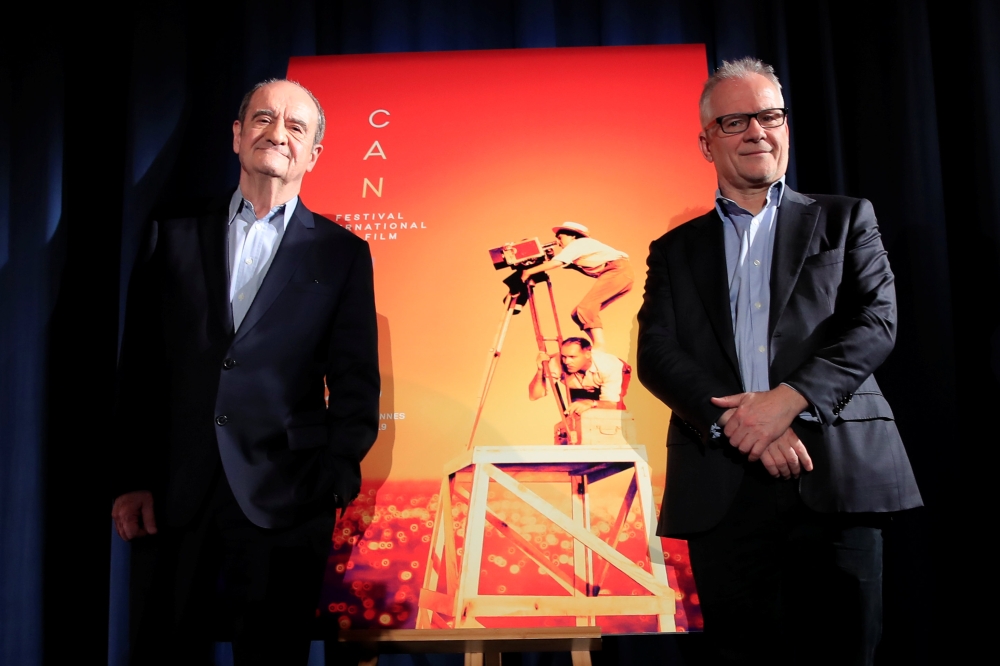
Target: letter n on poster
{"points": [[459, 168]]}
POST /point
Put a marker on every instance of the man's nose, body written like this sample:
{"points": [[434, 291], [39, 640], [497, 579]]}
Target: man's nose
{"points": [[754, 132], [276, 133]]}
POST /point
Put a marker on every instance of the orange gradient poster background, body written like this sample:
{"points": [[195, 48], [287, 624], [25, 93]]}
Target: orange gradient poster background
{"points": [[435, 158]]}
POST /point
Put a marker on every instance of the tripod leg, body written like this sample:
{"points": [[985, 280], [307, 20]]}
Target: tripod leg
{"points": [[491, 364], [555, 381], [555, 313]]}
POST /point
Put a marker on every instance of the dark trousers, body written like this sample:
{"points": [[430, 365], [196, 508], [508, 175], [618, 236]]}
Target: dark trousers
{"points": [[782, 584], [222, 578]]}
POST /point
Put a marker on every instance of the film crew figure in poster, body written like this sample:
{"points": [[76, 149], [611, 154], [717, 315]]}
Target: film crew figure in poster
{"points": [[594, 379], [610, 267], [761, 325], [230, 467]]}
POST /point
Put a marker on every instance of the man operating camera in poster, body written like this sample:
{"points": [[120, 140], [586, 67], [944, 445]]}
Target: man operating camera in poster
{"points": [[594, 259]]}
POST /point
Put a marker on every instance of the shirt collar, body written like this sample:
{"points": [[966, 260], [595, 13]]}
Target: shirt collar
{"points": [[237, 202], [730, 207]]}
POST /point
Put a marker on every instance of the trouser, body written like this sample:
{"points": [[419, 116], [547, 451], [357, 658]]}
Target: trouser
{"points": [[782, 584], [612, 284], [222, 578]]}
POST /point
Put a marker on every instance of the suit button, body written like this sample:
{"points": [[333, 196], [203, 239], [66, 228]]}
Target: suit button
{"points": [[229, 363], [221, 419]]}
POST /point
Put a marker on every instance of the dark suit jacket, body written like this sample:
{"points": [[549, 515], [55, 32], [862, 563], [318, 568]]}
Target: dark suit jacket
{"points": [[193, 393], [832, 323]]}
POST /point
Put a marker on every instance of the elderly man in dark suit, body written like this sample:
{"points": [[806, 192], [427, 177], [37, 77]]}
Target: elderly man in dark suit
{"points": [[762, 323], [231, 462]]}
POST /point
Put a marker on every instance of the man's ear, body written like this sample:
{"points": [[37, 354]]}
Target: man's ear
{"points": [[236, 136], [314, 156], [703, 146]]}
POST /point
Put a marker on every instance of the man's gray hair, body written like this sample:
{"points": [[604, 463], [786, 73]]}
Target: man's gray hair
{"points": [[737, 69], [321, 117]]}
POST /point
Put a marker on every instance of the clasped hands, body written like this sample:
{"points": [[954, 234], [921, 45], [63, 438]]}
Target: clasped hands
{"points": [[759, 425]]}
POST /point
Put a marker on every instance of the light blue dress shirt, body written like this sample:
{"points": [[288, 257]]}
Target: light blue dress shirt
{"points": [[252, 246], [749, 241]]}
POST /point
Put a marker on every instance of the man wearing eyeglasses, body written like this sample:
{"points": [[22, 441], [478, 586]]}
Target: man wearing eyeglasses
{"points": [[762, 323]]}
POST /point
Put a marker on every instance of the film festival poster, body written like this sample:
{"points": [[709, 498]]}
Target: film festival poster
{"points": [[456, 167]]}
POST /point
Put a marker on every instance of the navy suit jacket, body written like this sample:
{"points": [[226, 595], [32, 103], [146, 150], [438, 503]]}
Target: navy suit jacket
{"points": [[832, 322], [193, 393]]}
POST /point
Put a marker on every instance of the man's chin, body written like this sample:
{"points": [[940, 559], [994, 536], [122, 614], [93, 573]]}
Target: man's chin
{"points": [[761, 178], [269, 170], [762, 173]]}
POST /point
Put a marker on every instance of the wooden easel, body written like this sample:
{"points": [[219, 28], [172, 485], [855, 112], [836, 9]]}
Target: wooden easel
{"points": [[482, 647], [451, 598]]}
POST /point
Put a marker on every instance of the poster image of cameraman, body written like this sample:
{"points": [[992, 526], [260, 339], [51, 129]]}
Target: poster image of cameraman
{"points": [[594, 259]]}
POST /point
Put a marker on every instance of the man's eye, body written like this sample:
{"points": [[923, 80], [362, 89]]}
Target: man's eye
{"points": [[732, 122]]}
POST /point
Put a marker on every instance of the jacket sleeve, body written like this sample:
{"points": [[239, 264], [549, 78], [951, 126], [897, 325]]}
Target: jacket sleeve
{"points": [[352, 377], [138, 436], [662, 365], [862, 331]]}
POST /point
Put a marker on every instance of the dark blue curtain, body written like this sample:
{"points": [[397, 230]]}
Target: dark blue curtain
{"points": [[106, 117]]}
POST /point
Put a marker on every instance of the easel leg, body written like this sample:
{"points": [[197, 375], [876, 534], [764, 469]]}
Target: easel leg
{"points": [[583, 563], [657, 564], [475, 528], [482, 659], [580, 657]]}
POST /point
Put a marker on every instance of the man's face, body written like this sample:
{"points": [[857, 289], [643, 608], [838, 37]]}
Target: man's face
{"points": [[756, 157], [575, 358], [565, 239], [276, 137]]}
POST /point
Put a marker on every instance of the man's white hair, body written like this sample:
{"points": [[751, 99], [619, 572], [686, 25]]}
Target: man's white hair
{"points": [[737, 69]]}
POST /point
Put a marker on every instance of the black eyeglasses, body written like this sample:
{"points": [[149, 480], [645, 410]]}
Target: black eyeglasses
{"points": [[737, 123]]}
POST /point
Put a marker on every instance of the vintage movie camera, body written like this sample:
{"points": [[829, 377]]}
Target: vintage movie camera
{"points": [[522, 254], [518, 256]]}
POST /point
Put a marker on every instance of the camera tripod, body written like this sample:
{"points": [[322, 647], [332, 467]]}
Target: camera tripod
{"points": [[519, 294]]}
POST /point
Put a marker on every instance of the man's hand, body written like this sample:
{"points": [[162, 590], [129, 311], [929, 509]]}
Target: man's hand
{"points": [[133, 515], [543, 267], [726, 415], [580, 406], [759, 418], [787, 456], [542, 358]]}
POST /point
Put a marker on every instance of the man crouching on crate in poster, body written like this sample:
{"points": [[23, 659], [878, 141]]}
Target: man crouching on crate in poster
{"points": [[592, 377]]}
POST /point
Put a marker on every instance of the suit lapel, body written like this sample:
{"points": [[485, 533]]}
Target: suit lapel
{"points": [[291, 252], [213, 231], [707, 259], [797, 218]]}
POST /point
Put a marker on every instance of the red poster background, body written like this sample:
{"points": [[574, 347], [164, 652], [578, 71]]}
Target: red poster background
{"points": [[475, 149]]}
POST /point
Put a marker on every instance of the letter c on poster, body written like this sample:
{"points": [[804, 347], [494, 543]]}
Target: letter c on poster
{"points": [[371, 118]]}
